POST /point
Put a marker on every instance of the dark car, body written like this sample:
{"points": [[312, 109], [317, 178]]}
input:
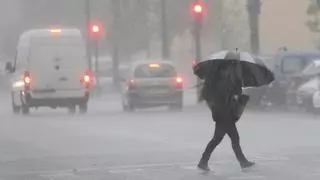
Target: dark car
{"points": [[287, 66]]}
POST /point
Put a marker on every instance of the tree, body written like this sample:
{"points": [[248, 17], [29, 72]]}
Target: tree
{"points": [[313, 23]]}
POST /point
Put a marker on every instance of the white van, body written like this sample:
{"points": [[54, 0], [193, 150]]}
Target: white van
{"points": [[50, 69]]}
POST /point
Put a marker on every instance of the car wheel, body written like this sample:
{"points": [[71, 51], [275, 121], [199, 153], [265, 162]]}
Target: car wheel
{"points": [[25, 110], [83, 108], [131, 107], [310, 107], [125, 108], [72, 109]]}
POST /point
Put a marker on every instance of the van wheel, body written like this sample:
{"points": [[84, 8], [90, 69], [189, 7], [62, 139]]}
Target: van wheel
{"points": [[83, 108], [72, 109], [15, 109], [25, 110], [176, 107]]}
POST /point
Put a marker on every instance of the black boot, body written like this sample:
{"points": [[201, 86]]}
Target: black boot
{"points": [[247, 164], [203, 165]]}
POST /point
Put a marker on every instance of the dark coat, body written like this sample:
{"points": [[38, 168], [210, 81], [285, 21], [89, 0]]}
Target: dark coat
{"points": [[218, 92]]}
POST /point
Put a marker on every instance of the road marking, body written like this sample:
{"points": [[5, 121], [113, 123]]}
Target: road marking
{"points": [[151, 166], [61, 174], [247, 177], [281, 158], [189, 167], [125, 171]]}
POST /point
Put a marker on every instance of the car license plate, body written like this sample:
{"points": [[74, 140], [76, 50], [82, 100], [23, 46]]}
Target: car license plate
{"points": [[158, 91]]}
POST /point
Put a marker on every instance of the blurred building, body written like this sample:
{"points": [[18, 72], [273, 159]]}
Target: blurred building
{"points": [[283, 23]]}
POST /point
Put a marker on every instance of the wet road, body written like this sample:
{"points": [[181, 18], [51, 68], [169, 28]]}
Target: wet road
{"points": [[153, 144]]}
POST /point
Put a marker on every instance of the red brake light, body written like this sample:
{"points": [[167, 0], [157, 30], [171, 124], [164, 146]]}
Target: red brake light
{"points": [[26, 80], [179, 82], [131, 82], [87, 78]]}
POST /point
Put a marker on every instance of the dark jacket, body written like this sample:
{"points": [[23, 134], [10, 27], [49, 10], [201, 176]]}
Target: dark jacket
{"points": [[218, 91]]}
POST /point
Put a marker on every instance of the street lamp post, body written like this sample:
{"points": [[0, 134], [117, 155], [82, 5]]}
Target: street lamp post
{"points": [[115, 41], [164, 31], [197, 12], [254, 8], [87, 30]]}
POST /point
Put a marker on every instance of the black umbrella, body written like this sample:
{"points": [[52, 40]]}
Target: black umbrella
{"points": [[253, 74]]}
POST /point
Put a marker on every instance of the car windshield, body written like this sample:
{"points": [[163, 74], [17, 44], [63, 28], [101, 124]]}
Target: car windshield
{"points": [[154, 71]]}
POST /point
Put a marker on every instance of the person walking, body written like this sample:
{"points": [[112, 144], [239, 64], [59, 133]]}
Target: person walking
{"points": [[218, 92]]}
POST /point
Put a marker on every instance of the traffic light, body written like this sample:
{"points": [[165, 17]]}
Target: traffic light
{"points": [[95, 30], [197, 12], [198, 9]]}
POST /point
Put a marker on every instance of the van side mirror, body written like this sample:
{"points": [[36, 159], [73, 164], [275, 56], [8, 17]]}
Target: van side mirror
{"points": [[9, 67]]}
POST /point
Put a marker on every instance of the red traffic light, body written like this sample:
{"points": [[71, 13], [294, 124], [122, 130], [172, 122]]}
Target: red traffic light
{"points": [[95, 30], [197, 8]]}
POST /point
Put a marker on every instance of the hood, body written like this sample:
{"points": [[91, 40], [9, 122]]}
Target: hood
{"points": [[310, 87]]}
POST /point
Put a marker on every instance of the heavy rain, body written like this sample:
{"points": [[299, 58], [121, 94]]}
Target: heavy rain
{"points": [[159, 89]]}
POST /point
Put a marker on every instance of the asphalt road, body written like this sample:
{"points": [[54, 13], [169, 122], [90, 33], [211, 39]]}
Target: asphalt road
{"points": [[154, 144]]}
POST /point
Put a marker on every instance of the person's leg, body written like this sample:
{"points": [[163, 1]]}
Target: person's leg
{"points": [[214, 142], [232, 131]]}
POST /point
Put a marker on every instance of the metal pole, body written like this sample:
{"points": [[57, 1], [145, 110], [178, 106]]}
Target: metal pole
{"points": [[96, 64], [88, 40], [217, 19], [254, 12], [164, 31], [115, 58], [95, 44], [198, 47]]}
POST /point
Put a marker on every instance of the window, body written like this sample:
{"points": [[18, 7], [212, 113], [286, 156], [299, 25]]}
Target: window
{"points": [[291, 65], [162, 71]]}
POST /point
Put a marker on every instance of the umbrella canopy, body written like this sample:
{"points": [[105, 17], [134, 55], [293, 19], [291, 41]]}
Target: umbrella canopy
{"points": [[253, 74]]}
